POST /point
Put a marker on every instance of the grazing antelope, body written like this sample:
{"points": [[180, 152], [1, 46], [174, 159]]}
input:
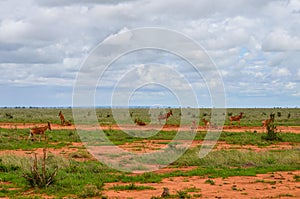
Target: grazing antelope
{"points": [[265, 123], [139, 122], [164, 116], [62, 120], [236, 118], [206, 123], [39, 131]]}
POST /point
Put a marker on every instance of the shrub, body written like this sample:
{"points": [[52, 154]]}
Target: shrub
{"points": [[272, 134], [39, 176]]}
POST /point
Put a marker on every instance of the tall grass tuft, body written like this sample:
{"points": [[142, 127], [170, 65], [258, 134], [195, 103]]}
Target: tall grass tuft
{"points": [[39, 176]]}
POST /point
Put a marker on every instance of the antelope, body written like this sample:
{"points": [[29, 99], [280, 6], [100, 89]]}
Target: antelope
{"points": [[236, 118], [139, 122], [206, 123], [164, 116], [39, 131], [62, 120], [265, 123]]}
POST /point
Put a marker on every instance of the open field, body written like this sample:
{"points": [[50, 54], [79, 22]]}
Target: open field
{"points": [[251, 117], [241, 165]]}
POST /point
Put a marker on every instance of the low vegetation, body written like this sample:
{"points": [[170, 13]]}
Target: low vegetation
{"points": [[76, 174]]}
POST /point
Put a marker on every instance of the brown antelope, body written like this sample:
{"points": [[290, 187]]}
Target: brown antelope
{"points": [[164, 116], [206, 123], [39, 131], [265, 123], [62, 120], [236, 118], [139, 122]]}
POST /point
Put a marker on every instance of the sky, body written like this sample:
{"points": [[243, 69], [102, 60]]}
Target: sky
{"points": [[255, 46]]}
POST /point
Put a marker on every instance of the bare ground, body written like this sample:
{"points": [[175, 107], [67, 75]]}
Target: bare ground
{"points": [[272, 185], [276, 185], [259, 129]]}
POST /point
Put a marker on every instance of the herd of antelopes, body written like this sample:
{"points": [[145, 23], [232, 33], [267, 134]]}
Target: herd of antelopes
{"points": [[236, 118]]}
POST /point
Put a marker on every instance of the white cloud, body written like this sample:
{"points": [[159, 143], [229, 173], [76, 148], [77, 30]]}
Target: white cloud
{"points": [[281, 72], [281, 40], [290, 85]]}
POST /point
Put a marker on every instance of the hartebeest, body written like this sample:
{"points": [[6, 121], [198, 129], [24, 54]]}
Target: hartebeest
{"points": [[39, 131], [164, 116], [62, 120], [265, 123], [236, 118], [206, 123]]}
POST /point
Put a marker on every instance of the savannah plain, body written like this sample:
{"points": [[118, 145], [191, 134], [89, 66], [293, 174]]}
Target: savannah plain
{"points": [[245, 162]]}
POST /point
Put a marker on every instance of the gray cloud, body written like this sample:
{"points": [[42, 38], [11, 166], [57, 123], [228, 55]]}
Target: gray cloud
{"points": [[55, 3], [250, 41]]}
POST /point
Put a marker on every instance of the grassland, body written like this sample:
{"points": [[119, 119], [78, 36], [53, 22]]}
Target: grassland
{"points": [[81, 176], [251, 117]]}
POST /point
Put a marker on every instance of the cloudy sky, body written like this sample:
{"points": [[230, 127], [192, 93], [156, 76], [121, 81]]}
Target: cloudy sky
{"points": [[254, 44]]}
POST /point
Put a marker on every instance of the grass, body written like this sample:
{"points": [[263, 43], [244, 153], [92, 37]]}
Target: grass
{"points": [[74, 176], [87, 179], [297, 178], [235, 158], [267, 181], [131, 186], [250, 138], [12, 139], [251, 117], [210, 181]]}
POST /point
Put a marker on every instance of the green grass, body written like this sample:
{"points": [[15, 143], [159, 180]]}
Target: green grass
{"points": [[210, 181], [267, 181], [131, 186], [250, 138], [297, 178], [86, 179], [72, 176], [12, 139], [235, 158]]}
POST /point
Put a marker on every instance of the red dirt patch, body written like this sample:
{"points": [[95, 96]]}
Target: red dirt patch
{"points": [[259, 129], [64, 151], [146, 146], [277, 185]]}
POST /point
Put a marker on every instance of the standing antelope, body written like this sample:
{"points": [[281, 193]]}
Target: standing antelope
{"points": [[62, 120], [236, 118], [164, 116], [265, 123], [39, 131], [206, 123]]}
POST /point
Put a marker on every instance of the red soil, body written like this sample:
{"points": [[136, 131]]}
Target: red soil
{"points": [[276, 185], [259, 129]]}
